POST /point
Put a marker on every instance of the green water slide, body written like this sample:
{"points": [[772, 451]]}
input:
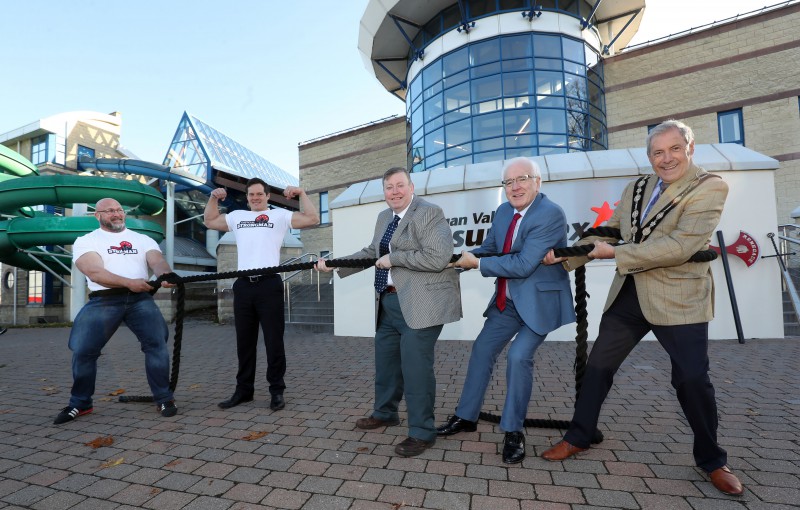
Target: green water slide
{"points": [[21, 188], [15, 164]]}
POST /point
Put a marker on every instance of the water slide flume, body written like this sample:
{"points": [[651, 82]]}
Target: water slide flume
{"points": [[29, 229]]}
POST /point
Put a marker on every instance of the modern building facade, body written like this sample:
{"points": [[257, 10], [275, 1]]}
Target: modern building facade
{"points": [[732, 81], [492, 80], [83, 143]]}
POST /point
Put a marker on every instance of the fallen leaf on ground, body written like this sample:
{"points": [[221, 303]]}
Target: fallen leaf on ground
{"points": [[362, 449], [255, 435], [117, 392], [398, 505], [172, 463], [112, 463], [48, 388], [101, 442], [194, 386], [105, 399]]}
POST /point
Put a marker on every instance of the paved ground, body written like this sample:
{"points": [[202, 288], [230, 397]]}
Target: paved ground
{"points": [[310, 455]]}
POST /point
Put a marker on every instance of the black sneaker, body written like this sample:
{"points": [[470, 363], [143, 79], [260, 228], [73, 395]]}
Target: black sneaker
{"points": [[167, 409], [69, 413]]}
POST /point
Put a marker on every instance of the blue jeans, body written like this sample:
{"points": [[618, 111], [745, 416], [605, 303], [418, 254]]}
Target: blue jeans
{"points": [[95, 325]]}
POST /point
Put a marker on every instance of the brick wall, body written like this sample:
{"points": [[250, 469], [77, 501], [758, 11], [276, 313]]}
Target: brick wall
{"points": [[738, 65], [334, 163]]}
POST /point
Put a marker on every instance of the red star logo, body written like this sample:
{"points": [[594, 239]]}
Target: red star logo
{"points": [[604, 213]]}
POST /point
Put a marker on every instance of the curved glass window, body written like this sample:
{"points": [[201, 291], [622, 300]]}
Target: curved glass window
{"points": [[453, 16], [514, 95]]}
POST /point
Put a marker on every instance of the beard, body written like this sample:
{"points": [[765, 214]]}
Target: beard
{"points": [[108, 225]]}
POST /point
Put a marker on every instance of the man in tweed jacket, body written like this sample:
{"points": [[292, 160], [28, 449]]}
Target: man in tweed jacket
{"points": [[656, 289], [421, 294]]}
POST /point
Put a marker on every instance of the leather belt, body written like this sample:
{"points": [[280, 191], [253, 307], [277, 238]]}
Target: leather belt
{"points": [[255, 279], [111, 292], [390, 289]]}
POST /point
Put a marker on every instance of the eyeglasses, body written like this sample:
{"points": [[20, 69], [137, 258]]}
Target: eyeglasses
{"points": [[522, 179], [111, 211]]}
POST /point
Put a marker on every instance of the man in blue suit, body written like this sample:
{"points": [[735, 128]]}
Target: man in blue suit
{"points": [[530, 300]]}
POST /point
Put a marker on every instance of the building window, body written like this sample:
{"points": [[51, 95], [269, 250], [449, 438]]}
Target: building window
{"points": [[731, 126], [85, 152], [60, 156], [39, 150], [49, 148], [512, 95], [324, 213], [35, 288]]}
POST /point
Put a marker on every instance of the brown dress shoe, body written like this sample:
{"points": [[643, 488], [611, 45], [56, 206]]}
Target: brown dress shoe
{"points": [[412, 446], [726, 482], [374, 423], [562, 450]]}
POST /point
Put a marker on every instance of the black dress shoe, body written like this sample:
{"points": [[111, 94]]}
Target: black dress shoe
{"points": [[277, 403], [455, 425], [235, 400], [514, 447]]}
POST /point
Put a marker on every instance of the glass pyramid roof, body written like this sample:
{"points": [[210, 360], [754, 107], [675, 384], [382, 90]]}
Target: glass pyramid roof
{"points": [[197, 147]]}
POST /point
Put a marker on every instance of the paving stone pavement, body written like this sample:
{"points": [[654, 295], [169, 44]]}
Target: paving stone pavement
{"points": [[310, 455]]}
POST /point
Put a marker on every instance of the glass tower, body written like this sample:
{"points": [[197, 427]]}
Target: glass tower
{"points": [[529, 93]]}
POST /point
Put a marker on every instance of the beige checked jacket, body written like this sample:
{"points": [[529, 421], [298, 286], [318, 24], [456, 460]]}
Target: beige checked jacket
{"points": [[671, 290]]}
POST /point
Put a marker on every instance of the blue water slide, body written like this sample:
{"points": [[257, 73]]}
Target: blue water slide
{"points": [[148, 169]]}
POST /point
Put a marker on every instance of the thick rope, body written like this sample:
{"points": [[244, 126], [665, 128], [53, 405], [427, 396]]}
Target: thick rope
{"points": [[581, 343], [582, 323]]}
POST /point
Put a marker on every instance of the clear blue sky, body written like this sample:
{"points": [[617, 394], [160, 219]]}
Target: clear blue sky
{"points": [[269, 74]]}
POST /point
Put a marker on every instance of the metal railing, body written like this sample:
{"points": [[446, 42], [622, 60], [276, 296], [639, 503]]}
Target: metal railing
{"points": [[303, 277], [787, 249]]}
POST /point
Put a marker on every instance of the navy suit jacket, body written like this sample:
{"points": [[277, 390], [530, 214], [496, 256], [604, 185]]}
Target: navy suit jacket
{"points": [[541, 293]]}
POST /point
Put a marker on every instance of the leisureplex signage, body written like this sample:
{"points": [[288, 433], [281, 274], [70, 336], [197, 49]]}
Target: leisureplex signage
{"points": [[587, 204]]}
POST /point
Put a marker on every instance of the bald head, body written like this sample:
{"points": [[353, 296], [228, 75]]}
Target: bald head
{"points": [[110, 215]]}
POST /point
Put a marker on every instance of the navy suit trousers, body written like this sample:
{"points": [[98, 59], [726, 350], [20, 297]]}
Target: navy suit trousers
{"points": [[622, 326]]}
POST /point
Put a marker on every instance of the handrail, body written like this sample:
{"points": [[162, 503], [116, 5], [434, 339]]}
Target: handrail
{"points": [[286, 279], [785, 274]]}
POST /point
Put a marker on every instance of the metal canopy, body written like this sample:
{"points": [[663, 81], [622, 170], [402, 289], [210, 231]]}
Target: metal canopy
{"points": [[384, 41]]}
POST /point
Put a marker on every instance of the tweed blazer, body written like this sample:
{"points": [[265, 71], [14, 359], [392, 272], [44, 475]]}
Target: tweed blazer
{"points": [[541, 293], [429, 292], [671, 290]]}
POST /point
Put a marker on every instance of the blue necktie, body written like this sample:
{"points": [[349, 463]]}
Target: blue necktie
{"points": [[659, 190], [382, 275]]}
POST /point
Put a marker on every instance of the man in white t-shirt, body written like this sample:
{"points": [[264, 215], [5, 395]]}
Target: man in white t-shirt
{"points": [[259, 235], [115, 261]]}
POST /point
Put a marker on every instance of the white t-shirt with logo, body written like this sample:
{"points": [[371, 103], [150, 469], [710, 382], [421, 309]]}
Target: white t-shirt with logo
{"points": [[259, 236], [123, 253]]}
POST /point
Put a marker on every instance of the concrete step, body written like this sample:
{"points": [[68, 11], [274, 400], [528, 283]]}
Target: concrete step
{"points": [[295, 327]]}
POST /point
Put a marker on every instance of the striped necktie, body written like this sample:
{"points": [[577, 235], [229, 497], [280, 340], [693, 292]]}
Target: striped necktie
{"points": [[659, 190]]}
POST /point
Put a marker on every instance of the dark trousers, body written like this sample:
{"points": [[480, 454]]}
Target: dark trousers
{"points": [[254, 304], [622, 326], [404, 366]]}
